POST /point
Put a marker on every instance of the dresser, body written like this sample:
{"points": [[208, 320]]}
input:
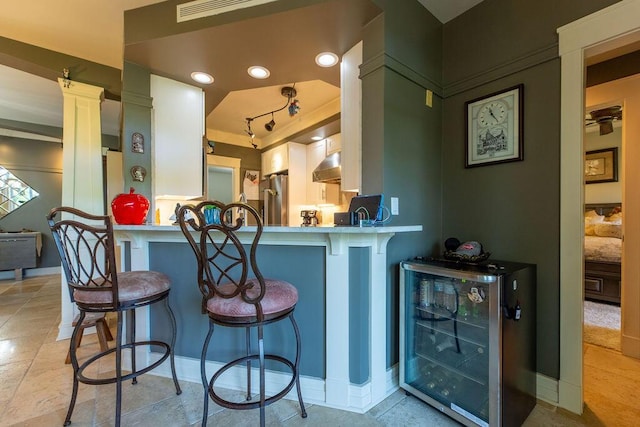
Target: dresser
{"points": [[19, 251]]}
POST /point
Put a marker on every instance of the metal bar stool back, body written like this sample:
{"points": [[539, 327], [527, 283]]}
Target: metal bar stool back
{"points": [[235, 294], [85, 244]]}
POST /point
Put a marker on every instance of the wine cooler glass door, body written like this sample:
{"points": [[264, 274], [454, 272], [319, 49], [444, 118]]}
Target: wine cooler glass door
{"points": [[447, 341]]}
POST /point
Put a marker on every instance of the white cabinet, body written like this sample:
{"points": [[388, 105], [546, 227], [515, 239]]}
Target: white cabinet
{"points": [[275, 160], [317, 192], [178, 127], [334, 143], [351, 119]]}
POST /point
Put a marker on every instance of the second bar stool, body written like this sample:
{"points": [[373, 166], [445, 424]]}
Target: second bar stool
{"points": [[235, 295]]}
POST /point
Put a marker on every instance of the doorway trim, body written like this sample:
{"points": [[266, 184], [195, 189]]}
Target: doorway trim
{"points": [[614, 26], [227, 162]]}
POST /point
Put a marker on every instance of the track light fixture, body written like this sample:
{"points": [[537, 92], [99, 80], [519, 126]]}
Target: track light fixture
{"points": [[290, 93], [269, 126], [250, 132]]}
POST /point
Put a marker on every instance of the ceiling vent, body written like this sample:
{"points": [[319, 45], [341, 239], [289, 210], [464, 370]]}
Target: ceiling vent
{"points": [[203, 8]]}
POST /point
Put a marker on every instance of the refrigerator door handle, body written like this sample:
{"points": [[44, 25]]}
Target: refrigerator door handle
{"points": [[267, 195]]}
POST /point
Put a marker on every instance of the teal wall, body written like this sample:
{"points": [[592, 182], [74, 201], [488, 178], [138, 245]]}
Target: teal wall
{"points": [[307, 275], [513, 209]]}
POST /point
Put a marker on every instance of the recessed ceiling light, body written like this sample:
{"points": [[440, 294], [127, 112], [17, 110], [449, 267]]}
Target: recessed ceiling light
{"points": [[201, 77], [326, 59], [316, 138], [258, 72]]}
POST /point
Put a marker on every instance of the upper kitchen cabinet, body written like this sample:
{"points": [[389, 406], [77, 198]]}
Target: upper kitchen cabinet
{"points": [[351, 119], [333, 144], [275, 160], [178, 128]]}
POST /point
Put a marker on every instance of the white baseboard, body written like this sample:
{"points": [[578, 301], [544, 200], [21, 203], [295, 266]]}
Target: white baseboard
{"points": [[313, 389], [547, 389]]}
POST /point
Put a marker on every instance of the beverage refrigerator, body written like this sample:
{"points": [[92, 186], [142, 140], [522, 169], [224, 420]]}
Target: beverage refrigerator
{"points": [[468, 338]]}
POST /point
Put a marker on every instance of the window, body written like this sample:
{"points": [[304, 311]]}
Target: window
{"points": [[13, 192]]}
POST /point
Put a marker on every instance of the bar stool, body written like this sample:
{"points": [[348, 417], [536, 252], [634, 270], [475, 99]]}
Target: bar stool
{"points": [[86, 248], [235, 295]]}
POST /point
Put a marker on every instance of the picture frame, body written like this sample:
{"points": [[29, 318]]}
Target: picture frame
{"points": [[495, 128], [601, 166], [137, 143]]}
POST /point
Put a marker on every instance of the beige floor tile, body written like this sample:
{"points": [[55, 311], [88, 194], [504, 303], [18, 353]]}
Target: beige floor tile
{"points": [[169, 413], [20, 348], [44, 392], [12, 299], [13, 328], [10, 309], [413, 412], [192, 398], [30, 290], [83, 416], [149, 390], [42, 316], [12, 375]]}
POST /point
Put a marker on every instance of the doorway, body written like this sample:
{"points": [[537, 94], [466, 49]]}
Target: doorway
{"points": [[603, 191], [222, 178], [606, 30]]}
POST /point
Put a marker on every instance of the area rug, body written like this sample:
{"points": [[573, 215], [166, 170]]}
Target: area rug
{"points": [[602, 325]]}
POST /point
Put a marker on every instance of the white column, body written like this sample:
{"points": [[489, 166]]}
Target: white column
{"points": [[337, 322], [82, 164]]}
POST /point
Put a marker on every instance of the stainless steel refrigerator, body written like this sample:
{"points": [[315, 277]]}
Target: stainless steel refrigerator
{"points": [[468, 339], [274, 193]]}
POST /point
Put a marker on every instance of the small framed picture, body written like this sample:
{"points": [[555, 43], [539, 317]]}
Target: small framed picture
{"points": [[495, 128], [137, 142], [601, 166], [138, 173]]}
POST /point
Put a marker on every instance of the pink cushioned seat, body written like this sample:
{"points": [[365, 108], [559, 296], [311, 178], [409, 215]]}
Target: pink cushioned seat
{"points": [[132, 286], [279, 297]]}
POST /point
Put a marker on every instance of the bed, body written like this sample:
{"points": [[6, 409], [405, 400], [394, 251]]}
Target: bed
{"points": [[602, 252]]}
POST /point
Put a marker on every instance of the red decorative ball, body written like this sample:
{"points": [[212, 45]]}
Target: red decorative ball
{"points": [[130, 209]]}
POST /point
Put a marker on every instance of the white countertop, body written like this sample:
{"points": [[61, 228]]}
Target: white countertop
{"points": [[321, 229]]}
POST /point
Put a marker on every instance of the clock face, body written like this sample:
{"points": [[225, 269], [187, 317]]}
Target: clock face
{"points": [[492, 114]]}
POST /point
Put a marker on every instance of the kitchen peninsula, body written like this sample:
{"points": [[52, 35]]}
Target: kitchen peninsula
{"points": [[341, 276]]}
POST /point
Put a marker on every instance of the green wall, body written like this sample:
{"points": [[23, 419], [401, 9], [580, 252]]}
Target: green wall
{"points": [[401, 136], [38, 164], [513, 209], [49, 64], [136, 117]]}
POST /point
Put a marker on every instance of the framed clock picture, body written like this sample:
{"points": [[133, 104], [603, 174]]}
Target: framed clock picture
{"points": [[495, 128]]}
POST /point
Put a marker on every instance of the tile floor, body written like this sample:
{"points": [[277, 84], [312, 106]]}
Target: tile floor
{"points": [[35, 384]]}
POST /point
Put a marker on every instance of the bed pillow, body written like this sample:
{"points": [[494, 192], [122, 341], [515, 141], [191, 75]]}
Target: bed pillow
{"points": [[608, 229], [616, 218], [591, 218]]}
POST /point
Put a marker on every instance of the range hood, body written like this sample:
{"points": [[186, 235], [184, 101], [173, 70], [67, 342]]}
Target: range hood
{"points": [[328, 170]]}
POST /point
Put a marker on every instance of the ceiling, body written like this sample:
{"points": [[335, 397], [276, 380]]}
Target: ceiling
{"points": [[286, 43]]}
